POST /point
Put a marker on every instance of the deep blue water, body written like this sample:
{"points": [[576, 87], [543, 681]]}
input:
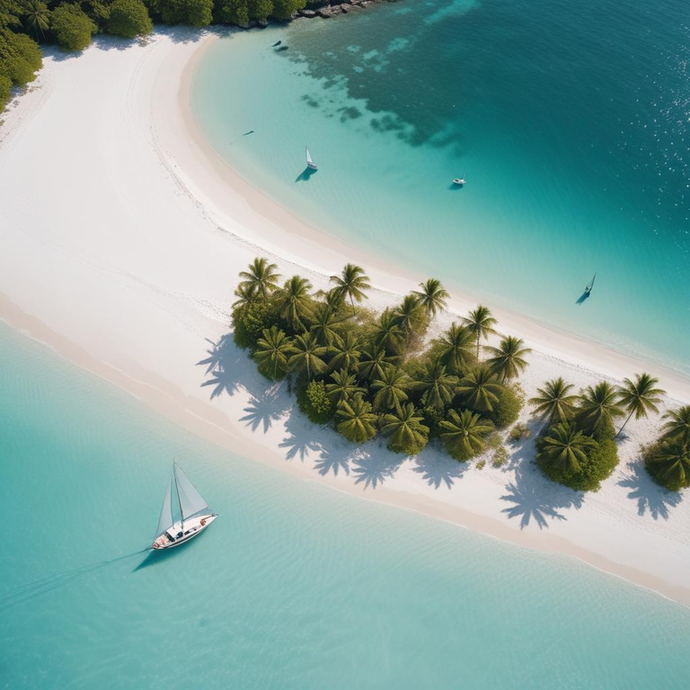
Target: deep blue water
{"points": [[294, 585], [569, 121]]}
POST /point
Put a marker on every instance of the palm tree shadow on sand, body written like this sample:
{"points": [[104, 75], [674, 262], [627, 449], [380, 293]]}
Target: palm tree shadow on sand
{"points": [[536, 499], [437, 469], [651, 498]]}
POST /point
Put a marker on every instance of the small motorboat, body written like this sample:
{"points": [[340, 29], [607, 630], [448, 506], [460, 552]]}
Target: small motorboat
{"points": [[459, 181], [310, 162], [194, 514]]}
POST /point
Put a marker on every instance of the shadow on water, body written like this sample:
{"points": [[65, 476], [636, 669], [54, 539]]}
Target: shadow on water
{"points": [[455, 187], [583, 298], [23, 593], [305, 175], [156, 557]]}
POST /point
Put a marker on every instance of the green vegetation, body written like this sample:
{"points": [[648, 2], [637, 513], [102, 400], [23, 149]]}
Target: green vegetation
{"points": [[72, 27], [368, 373], [72, 24], [129, 18], [668, 460]]}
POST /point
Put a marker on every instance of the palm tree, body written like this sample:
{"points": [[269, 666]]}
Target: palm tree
{"points": [[639, 397], [481, 324], [407, 433], [553, 402], [480, 389], [344, 386], [463, 433], [326, 324], [358, 422], [678, 426], [373, 362], [599, 405], [565, 446], [352, 283], [307, 355], [438, 387], [273, 350], [432, 295], [390, 390], [245, 296], [36, 16], [456, 348], [670, 463], [345, 352], [387, 333], [410, 315], [262, 277], [508, 358], [295, 302]]}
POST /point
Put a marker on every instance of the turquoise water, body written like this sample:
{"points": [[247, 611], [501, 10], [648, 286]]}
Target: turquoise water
{"points": [[569, 120], [294, 586]]}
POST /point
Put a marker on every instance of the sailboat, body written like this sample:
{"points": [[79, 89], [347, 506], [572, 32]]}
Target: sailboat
{"points": [[194, 514], [590, 285], [310, 161]]}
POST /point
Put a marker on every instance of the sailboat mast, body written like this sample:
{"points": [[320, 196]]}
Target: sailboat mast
{"points": [[179, 501]]}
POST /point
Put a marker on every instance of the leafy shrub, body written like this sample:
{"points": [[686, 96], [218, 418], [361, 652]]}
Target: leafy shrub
{"points": [[250, 320], [72, 28], [195, 12], [519, 432], [20, 58], [507, 409], [500, 456], [129, 18], [232, 12], [600, 462], [432, 419], [314, 402], [260, 9], [668, 463], [284, 9], [5, 90]]}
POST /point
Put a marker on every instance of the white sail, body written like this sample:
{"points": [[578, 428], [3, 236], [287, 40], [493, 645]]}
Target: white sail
{"points": [[310, 161], [165, 521], [191, 501]]}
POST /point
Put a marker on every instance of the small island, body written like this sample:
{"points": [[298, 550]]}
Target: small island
{"points": [[366, 373]]}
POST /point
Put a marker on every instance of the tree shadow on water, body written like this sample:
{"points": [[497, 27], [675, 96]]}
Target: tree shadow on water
{"points": [[649, 495], [439, 469], [534, 498]]}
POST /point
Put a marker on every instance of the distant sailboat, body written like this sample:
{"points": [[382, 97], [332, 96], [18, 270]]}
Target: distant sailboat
{"points": [[590, 285], [459, 181], [194, 514], [310, 162]]}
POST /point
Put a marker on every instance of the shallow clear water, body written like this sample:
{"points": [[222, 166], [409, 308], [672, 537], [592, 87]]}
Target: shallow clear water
{"points": [[294, 586], [569, 121]]}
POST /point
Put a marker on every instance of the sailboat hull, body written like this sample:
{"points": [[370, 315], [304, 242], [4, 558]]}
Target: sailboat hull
{"points": [[176, 536]]}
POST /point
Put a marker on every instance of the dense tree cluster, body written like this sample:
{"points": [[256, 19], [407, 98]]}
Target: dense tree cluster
{"points": [[578, 446], [367, 373], [71, 24]]}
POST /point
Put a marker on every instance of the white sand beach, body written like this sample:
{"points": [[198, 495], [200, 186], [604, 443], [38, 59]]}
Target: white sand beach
{"points": [[122, 237]]}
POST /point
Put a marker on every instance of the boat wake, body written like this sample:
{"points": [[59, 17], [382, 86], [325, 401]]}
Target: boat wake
{"points": [[23, 593]]}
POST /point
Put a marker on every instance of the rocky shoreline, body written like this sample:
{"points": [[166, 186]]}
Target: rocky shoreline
{"points": [[324, 9]]}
